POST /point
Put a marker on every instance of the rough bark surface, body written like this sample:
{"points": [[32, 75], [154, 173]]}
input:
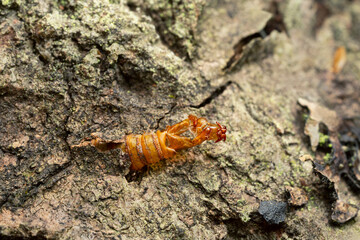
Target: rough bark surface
{"points": [[72, 67]]}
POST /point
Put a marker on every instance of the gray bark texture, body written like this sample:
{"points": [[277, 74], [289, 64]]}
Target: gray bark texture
{"points": [[69, 68]]}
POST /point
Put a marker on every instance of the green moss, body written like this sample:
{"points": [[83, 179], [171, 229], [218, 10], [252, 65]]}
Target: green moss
{"points": [[305, 116], [6, 2], [241, 202], [28, 174], [115, 1], [245, 218], [307, 189], [327, 158], [323, 139]]}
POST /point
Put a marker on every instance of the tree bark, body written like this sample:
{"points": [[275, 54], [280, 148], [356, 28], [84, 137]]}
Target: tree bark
{"points": [[71, 68]]}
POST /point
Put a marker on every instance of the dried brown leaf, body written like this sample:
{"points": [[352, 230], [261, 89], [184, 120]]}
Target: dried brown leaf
{"points": [[338, 165], [322, 114], [339, 60], [298, 196], [343, 212]]}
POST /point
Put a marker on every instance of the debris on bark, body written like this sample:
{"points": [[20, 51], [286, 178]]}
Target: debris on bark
{"points": [[339, 60], [339, 88], [320, 114], [273, 212], [343, 212], [334, 164], [297, 196], [334, 144]]}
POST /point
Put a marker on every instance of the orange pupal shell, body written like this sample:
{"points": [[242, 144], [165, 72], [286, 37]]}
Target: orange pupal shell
{"points": [[143, 150], [150, 148], [139, 149], [131, 149], [166, 151]]}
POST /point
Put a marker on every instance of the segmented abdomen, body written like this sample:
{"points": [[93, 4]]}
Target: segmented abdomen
{"points": [[144, 149]]}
